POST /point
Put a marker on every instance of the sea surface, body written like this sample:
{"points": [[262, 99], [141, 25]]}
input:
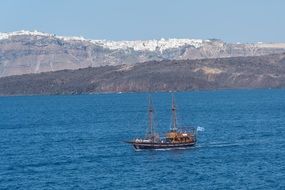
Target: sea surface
{"points": [[77, 142]]}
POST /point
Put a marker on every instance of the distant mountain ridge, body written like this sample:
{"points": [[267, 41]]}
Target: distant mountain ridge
{"points": [[266, 71], [25, 52]]}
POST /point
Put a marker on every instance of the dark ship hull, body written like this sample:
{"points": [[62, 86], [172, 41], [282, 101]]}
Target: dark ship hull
{"points": [[149, 145]]}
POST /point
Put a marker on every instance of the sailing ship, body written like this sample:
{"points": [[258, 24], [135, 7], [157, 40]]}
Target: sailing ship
{"points": [[175, 138]]}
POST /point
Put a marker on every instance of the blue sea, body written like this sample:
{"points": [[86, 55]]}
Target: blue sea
{"points": [[77, 142]]}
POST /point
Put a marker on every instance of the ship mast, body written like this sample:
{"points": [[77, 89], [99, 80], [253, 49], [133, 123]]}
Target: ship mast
{"points": [[173, 109], [150, 119]]}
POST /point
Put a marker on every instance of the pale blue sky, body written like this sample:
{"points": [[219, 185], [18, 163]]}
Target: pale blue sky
{"points": [[229, 20]]}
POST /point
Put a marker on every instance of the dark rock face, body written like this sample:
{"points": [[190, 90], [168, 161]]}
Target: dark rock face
{"points": [[182, 75], [28, 52]]}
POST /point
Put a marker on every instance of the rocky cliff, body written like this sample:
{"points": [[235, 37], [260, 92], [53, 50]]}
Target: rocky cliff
{"points": [[34, 52], [177, 75]]}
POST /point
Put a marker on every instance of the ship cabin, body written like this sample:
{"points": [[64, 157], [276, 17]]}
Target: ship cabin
{"points": [[175, 136]]}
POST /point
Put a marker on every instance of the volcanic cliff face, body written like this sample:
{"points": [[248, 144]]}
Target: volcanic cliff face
{"points": [[238, 72], [34, 52]]}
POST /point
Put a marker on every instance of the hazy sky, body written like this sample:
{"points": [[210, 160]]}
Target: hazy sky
{"points": [[229, 20]]}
